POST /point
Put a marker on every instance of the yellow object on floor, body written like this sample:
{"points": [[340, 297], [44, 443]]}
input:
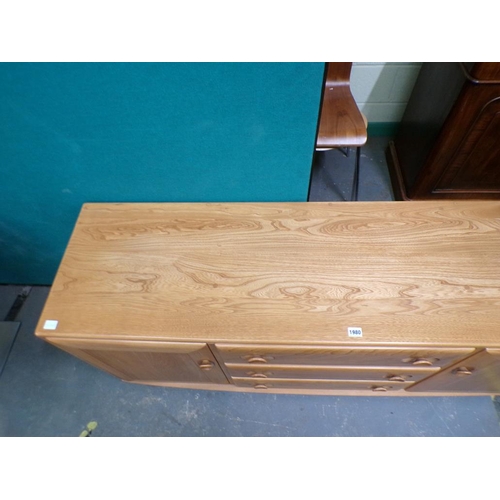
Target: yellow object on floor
{"points": [[91, 426]]}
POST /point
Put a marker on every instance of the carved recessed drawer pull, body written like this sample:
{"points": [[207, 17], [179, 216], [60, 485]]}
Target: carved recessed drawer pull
{"points": [[257, 375], [379, 388], [206, 364], [257, 359], [420, 361], [260, 386], [396, 378], [463, 370]]}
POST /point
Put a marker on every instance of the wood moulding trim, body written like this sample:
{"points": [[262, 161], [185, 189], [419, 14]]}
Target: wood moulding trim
{"points": [[398, 185], [475, 80], [310, 392]]}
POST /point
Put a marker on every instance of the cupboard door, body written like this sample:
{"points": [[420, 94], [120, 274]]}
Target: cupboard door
{"points": [[477, 374], [475, 164], [142, 361]]}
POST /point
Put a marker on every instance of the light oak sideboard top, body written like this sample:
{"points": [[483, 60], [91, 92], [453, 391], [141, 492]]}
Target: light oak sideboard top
{"points": [[403, 273]]}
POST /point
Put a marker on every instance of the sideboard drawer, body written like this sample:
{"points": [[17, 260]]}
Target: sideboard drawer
{"points": [[349, 385], [341, 356], [395, 375]]}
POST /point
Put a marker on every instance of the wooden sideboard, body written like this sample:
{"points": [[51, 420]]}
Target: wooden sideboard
{"points": [[448, 141], [366, 298]]}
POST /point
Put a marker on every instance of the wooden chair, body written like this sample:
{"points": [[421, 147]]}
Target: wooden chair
{"points": [[342, 125]]}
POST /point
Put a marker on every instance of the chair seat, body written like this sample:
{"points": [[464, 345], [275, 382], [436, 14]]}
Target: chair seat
{"points": [[341, 122]]}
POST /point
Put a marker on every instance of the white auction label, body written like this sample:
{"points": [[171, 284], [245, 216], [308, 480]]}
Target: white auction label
{"points": [[354, 331], [50, 324]]}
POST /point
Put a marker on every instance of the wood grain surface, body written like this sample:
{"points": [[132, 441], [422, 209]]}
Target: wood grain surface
{"points": [[423, 273]]}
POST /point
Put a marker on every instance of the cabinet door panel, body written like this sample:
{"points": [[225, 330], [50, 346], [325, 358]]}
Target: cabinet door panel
{"points": [[477, 374], [148, 361], [475, 164]]}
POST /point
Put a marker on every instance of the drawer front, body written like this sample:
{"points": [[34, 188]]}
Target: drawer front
{"points": [[347, 385], [394, 375], [340, 356]]}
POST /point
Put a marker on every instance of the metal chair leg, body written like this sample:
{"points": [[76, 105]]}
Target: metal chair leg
{"points": [[355, 181]]}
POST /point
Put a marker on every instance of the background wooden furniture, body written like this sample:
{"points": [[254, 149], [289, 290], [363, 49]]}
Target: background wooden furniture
{"points": [[341, 125], [315, 298], [448, 142]]}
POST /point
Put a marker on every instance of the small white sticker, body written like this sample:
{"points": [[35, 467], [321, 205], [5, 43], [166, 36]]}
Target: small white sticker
{"points": [[354, 331], [50, 324]]}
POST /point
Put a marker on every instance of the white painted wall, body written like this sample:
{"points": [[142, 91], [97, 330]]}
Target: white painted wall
{"points": [[382, 89]]}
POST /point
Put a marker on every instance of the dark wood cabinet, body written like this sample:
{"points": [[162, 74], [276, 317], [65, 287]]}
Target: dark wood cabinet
{"points": [[448, 141]]}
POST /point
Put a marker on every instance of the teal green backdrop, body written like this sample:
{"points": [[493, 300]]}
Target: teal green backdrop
{"points": [[72, 133]]}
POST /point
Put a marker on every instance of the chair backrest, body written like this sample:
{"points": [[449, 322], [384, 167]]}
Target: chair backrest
{"points": [[341, 122], [338, 72]]}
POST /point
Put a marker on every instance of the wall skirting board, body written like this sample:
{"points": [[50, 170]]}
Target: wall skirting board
{"points": [[382, 129]]}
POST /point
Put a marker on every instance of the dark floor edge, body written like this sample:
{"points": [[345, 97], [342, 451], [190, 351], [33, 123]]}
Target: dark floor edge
{"points": [[18, 304], [496, 404]]}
